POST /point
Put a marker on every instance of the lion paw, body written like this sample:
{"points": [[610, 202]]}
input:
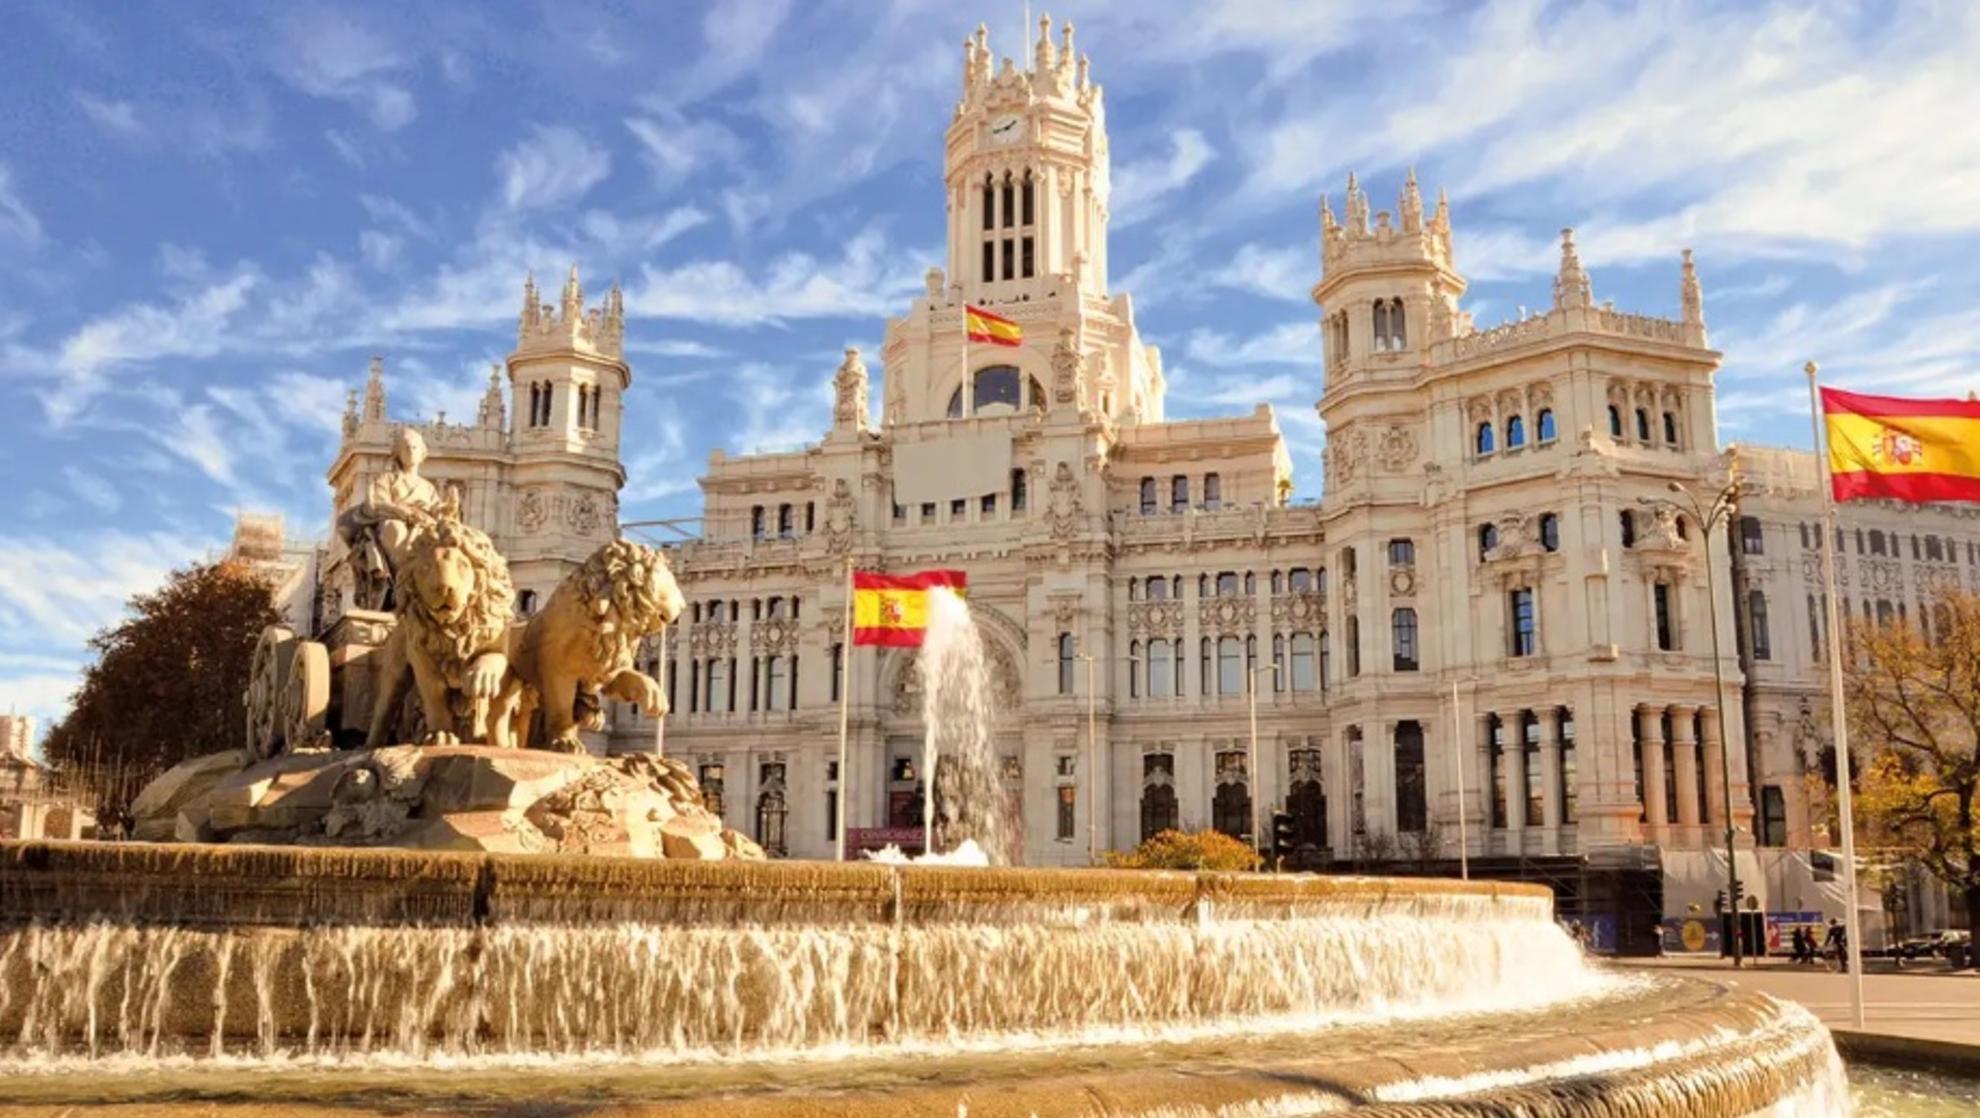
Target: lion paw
{"points": [[440, 737]]}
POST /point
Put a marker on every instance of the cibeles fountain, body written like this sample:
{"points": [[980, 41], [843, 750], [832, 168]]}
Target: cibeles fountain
{"points": [[466, 923]]}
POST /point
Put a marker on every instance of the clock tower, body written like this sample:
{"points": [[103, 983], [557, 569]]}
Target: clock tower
{"points": [[1026, 171]]}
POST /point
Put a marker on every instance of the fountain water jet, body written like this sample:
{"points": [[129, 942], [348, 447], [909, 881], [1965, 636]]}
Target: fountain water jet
{"points": [[957, 709]]}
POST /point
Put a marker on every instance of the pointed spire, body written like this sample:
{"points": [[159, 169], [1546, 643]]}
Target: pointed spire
{"points": [[531, 317], [1690, 295], [1042, 53], [1327, 223], [1085, 72], [350, 412], [1357, 207], [573, 307], [494, 414], [374, 392], [1409, 204], [1066, 52], [1442, 219], [1571, 287]]}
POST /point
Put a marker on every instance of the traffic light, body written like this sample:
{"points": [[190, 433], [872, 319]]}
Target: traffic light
{"points": [[1282, 833], [1719, 901]]}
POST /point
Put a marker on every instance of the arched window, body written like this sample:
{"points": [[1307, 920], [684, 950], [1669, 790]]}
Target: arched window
{"points": [[1544, 425], [1306, 800], [784, 523], [1179, 493], [1148, 496], [777, 681], [1381, 325], [1037, 391], [1615, 422], [1280, 669], [1662, 618], [1515, 432], [1299, 580], [998, 387], [1025, 207], [1398, 337], [989, 204], [1230, 670], [1642, 426], [1018, 487], [1484, 442], [756, 522], [1009, 198], [1412, 800], [1159, 809], [1756, 610], [1161, 670], [1065, 663], [1550, 532], [1230, 809], [771, 815], [1671, 428], [1627, 518], [1488, 538], [1213, 492], [1402, 624], [956, 404]]}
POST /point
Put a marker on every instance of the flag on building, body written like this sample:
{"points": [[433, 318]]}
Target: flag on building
{"points": [[993, 329], [892, 610], [1887, 447]]}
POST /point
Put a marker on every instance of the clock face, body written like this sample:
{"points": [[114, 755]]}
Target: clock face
{"points": [[1006, 129]]}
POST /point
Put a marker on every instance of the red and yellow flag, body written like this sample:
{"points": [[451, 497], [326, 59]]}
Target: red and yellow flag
{"points": [[1886, 447], [994, 329], [892, 610]]}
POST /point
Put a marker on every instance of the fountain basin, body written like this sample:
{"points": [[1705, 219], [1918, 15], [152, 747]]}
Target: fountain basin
{"points": [[735, 987]]}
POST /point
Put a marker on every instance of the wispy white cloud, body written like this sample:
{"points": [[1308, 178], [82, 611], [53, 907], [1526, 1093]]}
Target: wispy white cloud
{"points": [[552, 166], [1293, 343], [1274, 272], [869, 278], [17, 222], [1139, 187], [119, 118], [330, 54]]}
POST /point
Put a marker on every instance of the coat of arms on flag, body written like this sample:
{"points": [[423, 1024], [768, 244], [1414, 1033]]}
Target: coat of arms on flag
{"points": [[1891, 448], [892, 610]]}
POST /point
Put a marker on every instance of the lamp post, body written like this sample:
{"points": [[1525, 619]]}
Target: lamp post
{"points": [[1252, 775], [1092, 772], [1710, 517]]}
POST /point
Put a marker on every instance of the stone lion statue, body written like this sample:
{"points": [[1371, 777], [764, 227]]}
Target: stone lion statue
{"points": [[453, 598], [583, 641]]}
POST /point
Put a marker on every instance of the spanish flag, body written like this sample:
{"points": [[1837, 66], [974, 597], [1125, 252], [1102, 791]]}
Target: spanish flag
{"points": [[1885, 447], [994, 329], [892, 610]]}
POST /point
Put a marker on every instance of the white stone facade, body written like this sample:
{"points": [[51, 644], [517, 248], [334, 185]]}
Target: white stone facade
{"points": [[1488, 594]]}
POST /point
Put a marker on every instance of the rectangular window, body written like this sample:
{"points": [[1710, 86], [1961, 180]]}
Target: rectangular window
{"points": [[1497, 759], [1213, 492], [1017, 490], [1660, 596], [777, 684], [1569, 813], [958, 508], [1010, 258], [989, 504], [1010, 209], [1026, 217], [1026, 260], [1404, 633], [1402, 553], [831, 799], [1068, 811], [1525, 632], [1065, 663], [1535, 778], [711, 789], [1752, 540], [1179, 494], [838, 668], [928, 512], [989, 261], [1773, 816]]}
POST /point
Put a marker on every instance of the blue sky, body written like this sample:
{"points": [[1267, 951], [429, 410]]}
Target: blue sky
{"points": [[211, 215]]}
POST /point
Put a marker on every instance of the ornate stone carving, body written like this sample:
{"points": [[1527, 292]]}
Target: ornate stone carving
{"points": [[1067, 365], [841, 518], [1347, 454], [1402, 581], [849, 407], [1062, 517], [532, 511], [1395, 448], [1227, 615], [1516, 537], [584, 516]]}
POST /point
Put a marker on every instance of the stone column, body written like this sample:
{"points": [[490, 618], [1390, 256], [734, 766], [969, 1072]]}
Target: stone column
{"points": [[1550, 779], [1515, 758], [1481, 778], [1714, 760], [1684, 759], [1650, 739]]}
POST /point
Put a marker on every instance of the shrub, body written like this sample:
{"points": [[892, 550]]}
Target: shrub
{"points": [[1180, 850]]}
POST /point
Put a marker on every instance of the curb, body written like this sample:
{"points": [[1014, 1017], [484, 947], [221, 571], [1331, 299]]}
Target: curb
{"points": [[1907, 1051]]}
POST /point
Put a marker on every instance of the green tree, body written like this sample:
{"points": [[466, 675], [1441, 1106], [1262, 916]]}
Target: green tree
{"points": [[167, 684], [1179, 850], [1914, 710]]}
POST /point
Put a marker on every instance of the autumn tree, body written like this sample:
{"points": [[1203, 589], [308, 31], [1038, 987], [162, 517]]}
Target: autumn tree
{"points": [[166, 684], [1914, 712], [1183, 850]]}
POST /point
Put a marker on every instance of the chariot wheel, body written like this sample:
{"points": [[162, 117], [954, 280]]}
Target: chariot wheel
{"points": [[305, 698], [267, 682]]}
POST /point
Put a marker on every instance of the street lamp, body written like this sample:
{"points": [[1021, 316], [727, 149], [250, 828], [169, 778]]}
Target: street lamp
{"points": [[1710, 516], [1251, 758], [1092, 773]]}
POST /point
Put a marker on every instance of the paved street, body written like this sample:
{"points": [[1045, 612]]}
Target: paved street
{"points": [[1933, 1006]]}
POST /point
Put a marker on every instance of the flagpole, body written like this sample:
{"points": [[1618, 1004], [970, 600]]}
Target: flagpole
{"points": [[1838, 717], [845, 705]]}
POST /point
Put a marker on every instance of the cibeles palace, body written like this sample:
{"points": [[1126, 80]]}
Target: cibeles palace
{"points": [[1486, 594]]}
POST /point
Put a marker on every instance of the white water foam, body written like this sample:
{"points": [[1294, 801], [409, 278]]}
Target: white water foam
{"points": [[957, 711]]}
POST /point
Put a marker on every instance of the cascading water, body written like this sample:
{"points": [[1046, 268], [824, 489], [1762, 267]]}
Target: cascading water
{"points": [[969, 804]]}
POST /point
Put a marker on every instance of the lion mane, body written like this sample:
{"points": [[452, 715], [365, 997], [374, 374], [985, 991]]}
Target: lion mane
{"points": [[636, 583], [482, 626]]}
